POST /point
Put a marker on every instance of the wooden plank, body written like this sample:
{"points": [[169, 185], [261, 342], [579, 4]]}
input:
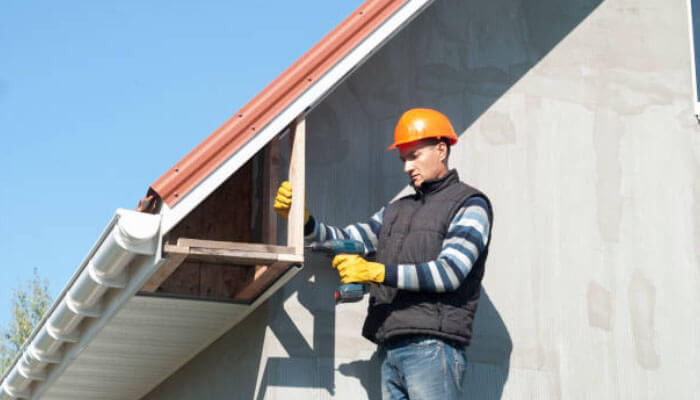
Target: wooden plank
{"points": [[259, 270], [227, 216], [184, 280], [223, 281], [229, 255], [240, 246], [242, 258], [172, 262], [270, 181], [295, 223], [256, 287], [226, 256]]}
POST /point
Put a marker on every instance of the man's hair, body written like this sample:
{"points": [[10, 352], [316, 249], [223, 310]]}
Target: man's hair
{"points": [[435, 141]]}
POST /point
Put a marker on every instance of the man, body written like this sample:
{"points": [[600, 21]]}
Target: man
{"points": [[430, 249]]}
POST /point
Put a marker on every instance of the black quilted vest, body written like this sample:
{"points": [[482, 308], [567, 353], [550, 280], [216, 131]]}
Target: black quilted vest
{"points": [[412, 232]]}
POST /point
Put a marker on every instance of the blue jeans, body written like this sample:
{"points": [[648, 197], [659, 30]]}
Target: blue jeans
{"points": [[422, 368]]}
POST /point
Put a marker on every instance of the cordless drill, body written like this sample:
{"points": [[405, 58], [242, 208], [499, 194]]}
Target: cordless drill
{"points": [[349, 292]]}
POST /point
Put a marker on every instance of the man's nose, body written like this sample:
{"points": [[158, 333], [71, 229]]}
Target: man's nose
{"points": [[407, 167]]}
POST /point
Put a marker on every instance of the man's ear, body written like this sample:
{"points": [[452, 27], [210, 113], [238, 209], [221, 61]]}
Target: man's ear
{"points": [[442, 146]]}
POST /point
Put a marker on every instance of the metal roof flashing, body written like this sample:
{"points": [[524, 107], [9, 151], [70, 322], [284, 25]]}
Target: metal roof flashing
{"points": [[271, 101]]}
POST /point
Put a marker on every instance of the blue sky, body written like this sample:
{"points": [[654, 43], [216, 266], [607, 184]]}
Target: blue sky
{"points": [[98, 99]]}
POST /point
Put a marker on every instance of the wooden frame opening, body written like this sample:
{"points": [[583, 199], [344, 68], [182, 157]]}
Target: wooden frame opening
{"points": [[227, 248]]}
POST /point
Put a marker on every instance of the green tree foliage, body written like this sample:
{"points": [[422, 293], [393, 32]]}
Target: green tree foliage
{"points": [[29, 304]]}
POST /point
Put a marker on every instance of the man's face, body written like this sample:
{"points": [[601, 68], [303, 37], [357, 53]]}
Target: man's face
{"points": [[423, 160]]}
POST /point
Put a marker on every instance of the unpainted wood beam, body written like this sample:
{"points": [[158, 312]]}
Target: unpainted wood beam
{"points": [[271, 163], [262, 282], [230, 256], [171, 263], [219, 252], [297, 167], [242, 246]]}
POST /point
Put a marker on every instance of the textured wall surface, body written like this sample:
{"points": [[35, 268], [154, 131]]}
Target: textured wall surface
{"points": [[576, 118]]}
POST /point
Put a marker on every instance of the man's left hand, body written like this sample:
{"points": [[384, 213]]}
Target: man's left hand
{"points": [[355, 269]]}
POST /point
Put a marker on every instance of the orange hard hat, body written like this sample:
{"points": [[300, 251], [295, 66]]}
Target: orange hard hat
{"points": [[422, 123]]}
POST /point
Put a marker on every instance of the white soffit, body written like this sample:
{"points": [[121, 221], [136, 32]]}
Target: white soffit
{"points": [[145, 342]]}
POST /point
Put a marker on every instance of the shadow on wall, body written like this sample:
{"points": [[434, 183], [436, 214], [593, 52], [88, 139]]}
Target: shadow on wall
{"points": [[488, 355], [307, 365], [227, 369], [367, 372], [488, 358], [459, 56]]}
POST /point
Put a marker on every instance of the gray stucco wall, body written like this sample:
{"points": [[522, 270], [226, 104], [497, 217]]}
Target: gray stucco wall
{"points": [[577, 119]]}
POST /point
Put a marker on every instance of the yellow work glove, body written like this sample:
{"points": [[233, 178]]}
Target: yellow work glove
{"points": [[283, 201], [355, 269]]}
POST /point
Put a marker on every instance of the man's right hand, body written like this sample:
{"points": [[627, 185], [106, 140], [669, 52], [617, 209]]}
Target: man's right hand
{"points": [[283, 201]]}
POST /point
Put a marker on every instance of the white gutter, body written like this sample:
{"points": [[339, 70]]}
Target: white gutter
{"points": [[128, 235]]}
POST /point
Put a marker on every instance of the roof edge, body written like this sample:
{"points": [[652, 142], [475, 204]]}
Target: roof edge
{"points": [[179, 180], [305, 101], [127, 235]]}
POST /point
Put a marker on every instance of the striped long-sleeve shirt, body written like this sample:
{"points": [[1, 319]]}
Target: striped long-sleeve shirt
{"points": [[466, 236]]}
